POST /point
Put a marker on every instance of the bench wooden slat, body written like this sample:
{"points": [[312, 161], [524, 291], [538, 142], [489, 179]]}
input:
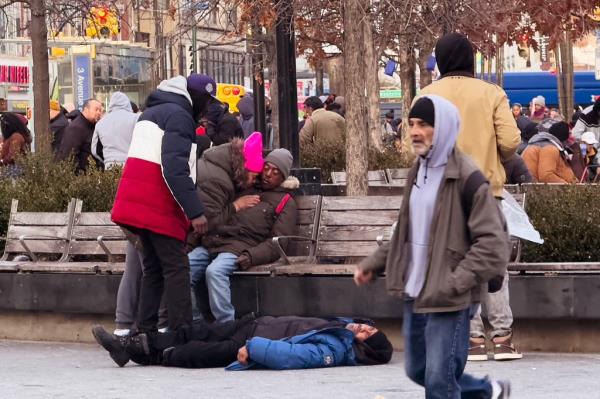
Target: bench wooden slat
{"points": [[93, 219], [117, 247], [37, 246], [345, 248], [362, 203], [59, 267], [93, 232], [372, 176], [359, 218], [306, 216], [40, 232], [307, 201], [353, 233], [111, 268], [306, 269], [9, 266], [40, 218], [555, 266]]}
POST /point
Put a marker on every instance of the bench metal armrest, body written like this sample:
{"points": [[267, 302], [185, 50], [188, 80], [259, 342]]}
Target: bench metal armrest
{"points": [[102, 244], [280, 248], [29, 252]]}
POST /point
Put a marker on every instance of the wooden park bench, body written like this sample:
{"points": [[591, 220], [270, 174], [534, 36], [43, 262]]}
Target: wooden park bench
{"points": [[397, 176], [42, 236]]}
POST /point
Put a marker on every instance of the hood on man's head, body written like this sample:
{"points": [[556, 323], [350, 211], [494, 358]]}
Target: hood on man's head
{"points": [[119, 100], [454, 53], [376, 349], [177, 85], [445, 133]]}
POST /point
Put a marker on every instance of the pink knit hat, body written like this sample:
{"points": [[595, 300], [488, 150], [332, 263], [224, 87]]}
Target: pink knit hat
{"points": [[253, 153]]}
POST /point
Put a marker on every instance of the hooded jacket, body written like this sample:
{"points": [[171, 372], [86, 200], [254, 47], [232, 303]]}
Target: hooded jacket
{"points": [[246, 107], [424, 193], [114, 131], [488, 132], [250, 230], [545, 158], [157, 191], [464, 250], [57, 127], [589, 121]]}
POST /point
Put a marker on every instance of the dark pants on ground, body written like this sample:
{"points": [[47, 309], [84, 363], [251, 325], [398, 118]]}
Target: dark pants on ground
{"points": [[166, 268], [436, 346], [202, 345]]}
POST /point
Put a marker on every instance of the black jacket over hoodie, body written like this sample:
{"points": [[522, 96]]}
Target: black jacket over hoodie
{"points": [[77, 140]]}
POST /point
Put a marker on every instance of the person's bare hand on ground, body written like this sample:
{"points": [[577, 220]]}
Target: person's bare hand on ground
{"points": [[362, 277], [242, 356], [245, 202]]}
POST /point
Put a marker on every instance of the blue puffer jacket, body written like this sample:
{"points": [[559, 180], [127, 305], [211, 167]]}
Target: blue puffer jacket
{"points": [[323, 348]]}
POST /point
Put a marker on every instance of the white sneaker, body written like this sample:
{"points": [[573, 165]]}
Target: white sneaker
{"points": [[122, 332]]}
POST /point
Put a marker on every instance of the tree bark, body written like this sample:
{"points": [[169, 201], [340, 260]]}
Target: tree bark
{"points": [[567, 72], [319, 85], [407, 82], [372, 86], [271, 51], [356, 127], [41, 78], [500, 65]]}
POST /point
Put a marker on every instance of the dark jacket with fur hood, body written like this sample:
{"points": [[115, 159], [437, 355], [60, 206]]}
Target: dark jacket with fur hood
{"points": [[250, 231], [220, 174]]}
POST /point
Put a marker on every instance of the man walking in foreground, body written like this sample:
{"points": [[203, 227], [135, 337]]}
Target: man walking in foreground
{"points": [[488, 135], [450, 240]]}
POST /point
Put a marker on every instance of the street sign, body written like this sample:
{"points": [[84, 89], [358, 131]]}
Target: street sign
{"points": [[390, 93], [82, 79]]}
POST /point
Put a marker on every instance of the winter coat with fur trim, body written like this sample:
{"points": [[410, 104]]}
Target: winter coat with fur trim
{"points": [[250, 231]]}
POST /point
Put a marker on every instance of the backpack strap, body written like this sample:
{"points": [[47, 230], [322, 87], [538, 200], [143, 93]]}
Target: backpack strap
{"points": [[282, 204], [472, 184]]}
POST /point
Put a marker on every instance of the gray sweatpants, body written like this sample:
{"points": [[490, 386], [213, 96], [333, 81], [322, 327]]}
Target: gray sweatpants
{"points": [[499, 314], [129, 292]]}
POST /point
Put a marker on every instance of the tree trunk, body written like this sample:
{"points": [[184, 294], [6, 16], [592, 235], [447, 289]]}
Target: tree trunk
{"points": [[271, 51], [408, 85], [560, 83], [567, 72], [500, 65], [319, 86], [356, 127], [41, 79], [372, 86], [424, 74]]}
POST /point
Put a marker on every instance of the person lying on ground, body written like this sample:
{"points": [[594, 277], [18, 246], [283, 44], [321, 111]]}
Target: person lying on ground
{"points": [[287, 342]]}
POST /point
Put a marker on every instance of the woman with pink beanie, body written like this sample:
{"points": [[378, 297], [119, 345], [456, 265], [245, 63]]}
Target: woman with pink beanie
{"points": [[222, 173]]}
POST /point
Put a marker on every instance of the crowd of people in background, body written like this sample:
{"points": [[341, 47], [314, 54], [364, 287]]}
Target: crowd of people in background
{"points": [[555, 150]]}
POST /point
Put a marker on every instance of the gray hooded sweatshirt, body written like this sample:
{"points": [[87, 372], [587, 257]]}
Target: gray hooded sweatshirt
{"points": [[425, 190], [114, 131]]}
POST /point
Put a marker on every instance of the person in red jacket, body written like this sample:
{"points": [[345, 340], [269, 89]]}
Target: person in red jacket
{"points": [[157, 200]]}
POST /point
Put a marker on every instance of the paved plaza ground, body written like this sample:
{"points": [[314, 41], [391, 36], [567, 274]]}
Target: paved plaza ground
{"points": [[57, 370]]}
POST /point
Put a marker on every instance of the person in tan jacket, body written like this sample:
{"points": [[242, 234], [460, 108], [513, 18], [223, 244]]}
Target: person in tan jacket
{"points": [[489, 135], [545, 156], [321, 124]]}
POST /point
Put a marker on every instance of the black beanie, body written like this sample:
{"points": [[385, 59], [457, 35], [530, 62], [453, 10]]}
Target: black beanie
{"points": [[454, 53], [560, 130], [376, 349], [423, 109]]}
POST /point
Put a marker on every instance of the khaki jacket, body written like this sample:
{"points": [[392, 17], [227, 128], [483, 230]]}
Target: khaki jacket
{"points": [[323, 125], [464, 253], [488, 133], [547, 166]]}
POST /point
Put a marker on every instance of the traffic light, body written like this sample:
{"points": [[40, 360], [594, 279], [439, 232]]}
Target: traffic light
{"points": [[193, 67], [102, 22]]}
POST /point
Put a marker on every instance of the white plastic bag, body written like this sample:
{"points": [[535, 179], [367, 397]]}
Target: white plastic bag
{"points": [[518, 221]]}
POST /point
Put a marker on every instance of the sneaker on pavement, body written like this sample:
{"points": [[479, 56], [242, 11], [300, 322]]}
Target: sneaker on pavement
{"points": [[504, 349], [477, 350], [113, 344], [501, 389]]}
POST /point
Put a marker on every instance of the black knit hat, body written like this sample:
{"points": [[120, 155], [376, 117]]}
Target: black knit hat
{"points": [[423, 109], [560, 130], [376, 349]]}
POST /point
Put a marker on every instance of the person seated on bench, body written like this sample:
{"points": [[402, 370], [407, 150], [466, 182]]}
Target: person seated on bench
{"points": [[245, 240], [288, 342]]}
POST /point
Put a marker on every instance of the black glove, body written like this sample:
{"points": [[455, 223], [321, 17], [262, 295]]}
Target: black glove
{"points": [[495, 284]]}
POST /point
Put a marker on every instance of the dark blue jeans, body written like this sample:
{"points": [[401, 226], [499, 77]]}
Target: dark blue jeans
{"points": [[436, 346]]}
